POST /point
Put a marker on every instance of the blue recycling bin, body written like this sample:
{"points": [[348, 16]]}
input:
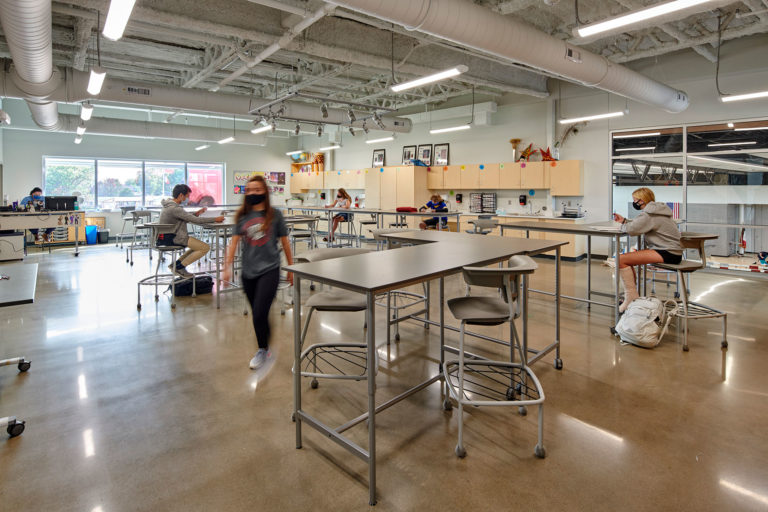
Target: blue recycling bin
{"points": [[90, 234]]}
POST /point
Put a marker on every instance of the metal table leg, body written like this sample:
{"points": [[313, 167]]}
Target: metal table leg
{"points": [[558, 361], [617, 249], [589, 271], [297, 356], [371, 341]]}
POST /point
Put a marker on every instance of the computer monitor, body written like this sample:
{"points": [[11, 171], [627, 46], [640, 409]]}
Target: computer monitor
{"points": [[60, 203]]}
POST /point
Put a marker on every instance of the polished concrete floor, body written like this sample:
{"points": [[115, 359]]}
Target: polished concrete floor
{"points": [[158, 410]]}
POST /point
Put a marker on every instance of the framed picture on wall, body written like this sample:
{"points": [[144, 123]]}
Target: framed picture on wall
{"points": [[425, 153], [378, 158], [409, 153], [441, 154]]}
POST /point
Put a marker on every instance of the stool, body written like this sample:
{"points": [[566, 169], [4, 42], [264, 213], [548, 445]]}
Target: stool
{"points": [[351, 232], [140, 234], [125, 210], [693, 310], [472, 380], [482, 226], [363, 223], [157, 278]]}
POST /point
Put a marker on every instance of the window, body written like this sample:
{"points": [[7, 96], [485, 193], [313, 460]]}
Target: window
{"points": [[70, 177], [120, 183], [110, 184]]}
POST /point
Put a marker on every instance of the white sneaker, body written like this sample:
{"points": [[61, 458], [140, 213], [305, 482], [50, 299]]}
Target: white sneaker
{"points": [[183, 272], [261, 357]]}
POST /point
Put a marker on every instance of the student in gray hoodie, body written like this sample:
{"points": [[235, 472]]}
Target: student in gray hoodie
{"points": [[661, 236], [174, 213]]}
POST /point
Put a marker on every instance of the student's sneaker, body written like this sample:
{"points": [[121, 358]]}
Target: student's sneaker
{"points": [[180, 270], [261, 357]]}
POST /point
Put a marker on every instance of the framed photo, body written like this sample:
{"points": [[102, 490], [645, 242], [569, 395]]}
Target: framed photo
{"points": [[378, 158], [425, 153], [441, 154], [409, 153]]}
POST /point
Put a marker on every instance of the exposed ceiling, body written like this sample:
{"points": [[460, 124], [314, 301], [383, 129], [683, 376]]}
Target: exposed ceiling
{"points": [[354, 57]]}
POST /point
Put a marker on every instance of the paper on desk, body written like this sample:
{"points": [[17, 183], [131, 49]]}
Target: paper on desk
{"points": [[613, 226], [215, 212]]}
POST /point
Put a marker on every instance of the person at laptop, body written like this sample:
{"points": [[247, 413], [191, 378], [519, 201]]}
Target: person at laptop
{"points": [[36, 199], [174, 213]]}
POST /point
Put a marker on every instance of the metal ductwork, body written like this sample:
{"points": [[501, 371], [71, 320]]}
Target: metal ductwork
{"points": [[27, 29], [475, 26]]}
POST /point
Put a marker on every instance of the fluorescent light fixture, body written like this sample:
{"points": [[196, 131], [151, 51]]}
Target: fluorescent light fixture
{"points": [[80, 129], [81, 386], [117, 18], [297, 152], [591, 118], [329, 148], [261, 129], [720, 144], [383, 139], [204, 146], [88, 442], [86, 111], [448, 73], [750, 129], [78, 139], [742, 97], [644, 148], [634, 135], [451, 129], [226, 140], [96, 80], [637, 16], [744, 491], [726, 162]]}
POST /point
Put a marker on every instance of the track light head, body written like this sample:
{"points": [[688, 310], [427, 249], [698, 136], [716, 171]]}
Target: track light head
{"points": [[273, 124], [351, 116], [351, 131], [281, 110], [324, 110], [297, 129], [319, 130], [377, 120], [365, 128]]}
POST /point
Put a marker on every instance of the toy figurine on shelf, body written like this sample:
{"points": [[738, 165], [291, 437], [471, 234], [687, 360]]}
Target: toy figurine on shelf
{"points": [[546, 155], [527, 153], [318, 162]]}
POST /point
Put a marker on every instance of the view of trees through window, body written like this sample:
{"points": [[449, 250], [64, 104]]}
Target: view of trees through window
{"points": [[111, 184]]}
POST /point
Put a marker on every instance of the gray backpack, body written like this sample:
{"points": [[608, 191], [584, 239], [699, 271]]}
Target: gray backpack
{"points": [[645, 321]]}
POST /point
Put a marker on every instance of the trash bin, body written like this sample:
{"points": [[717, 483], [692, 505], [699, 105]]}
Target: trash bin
{"points": [[103, 236], [90, 234]]}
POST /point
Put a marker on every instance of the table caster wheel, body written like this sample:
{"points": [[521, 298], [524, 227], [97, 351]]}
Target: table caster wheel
{"points": [[24, 365], [76, 255], [138, 307], [540, 452], [313, 384], [173, 306], [282, 312], [397, 337], [157, 298], [15, 428], [245, 313], [510, 394], [460, 452], [724, 344], [558, 364], [447, 405], [312, 287], [293, 417], [522, 411], [685, 348], [613, 331], [131, 263]]}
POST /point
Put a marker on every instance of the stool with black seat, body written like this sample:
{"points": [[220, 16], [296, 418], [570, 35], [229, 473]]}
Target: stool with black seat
{"points": [[473, 380], [334, 360], [159, 242], [367, 222], [693, 310]]}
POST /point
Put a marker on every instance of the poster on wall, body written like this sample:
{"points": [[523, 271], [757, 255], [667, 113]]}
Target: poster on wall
{"points": [[275, 181]]}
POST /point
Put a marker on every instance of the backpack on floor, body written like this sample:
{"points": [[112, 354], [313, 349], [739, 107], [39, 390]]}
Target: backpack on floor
{"points": [[645, 322], [203, 284]]}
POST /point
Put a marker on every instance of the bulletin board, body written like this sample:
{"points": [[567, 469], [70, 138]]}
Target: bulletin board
{"points": [[275, 181]]}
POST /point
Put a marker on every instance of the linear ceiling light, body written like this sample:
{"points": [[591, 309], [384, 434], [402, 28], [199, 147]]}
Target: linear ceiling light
{"points": [[591, 118], [644, 148], [383, 139], [96, 80], [750, 128], [329, 148], [726, 162], [451, 129], [78, 139], [742, 97], [226, 140], [204, 146], [633, 135], [297, 152], [80, 129], [448, 73], [637, 16], [86, 111], [261, 129], [719, 144], [117, 18]]}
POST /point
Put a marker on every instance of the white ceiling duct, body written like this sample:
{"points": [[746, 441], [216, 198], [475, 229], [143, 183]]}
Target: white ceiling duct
{"points": [[27, 29], [72, 89], [478, 27]]}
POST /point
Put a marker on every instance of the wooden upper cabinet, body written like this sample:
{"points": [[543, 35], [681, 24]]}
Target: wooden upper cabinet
{"points": [[488, 176], [435, 178], [469, 176], [316, 180], [534, 175], [373, 188], [566, 178], [388, 190], [451, 176], [509, 175]]}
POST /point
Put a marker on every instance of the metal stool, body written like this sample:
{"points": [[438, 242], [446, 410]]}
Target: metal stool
{"points": [[351, 236], [363, 223], [693, 310], [482, 226], [157, 279], [472, 380], [140, 234], [125, 210]]}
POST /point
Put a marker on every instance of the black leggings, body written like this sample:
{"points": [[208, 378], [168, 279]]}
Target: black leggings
{"points": [[261, 292]]}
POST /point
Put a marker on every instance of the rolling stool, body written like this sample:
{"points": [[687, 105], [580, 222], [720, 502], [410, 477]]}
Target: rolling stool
{"points": [[472, 380], [693, 310], [157, 279], [13, 426], [482, 226], [140, 234], [125, 210]]}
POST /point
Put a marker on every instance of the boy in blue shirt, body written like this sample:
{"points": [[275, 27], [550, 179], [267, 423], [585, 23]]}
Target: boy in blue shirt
{"points": [[37, 199], [436, 204]]}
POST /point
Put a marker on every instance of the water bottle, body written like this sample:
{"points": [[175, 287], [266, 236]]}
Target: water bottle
{"points": [[76, 207]]}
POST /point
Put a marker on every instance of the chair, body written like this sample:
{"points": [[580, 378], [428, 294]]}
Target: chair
{"points": [[140, 233], [307, 235], [482, 226], [336, 360], [363, 223], [351, 235], [13, 426], [472, 380], [125, 211], [693, 310], [158, 278]]}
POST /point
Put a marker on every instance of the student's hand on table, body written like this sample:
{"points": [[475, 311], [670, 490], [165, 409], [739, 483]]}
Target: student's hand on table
{"points": [[201, 211], [220, 218], [618, 218]]}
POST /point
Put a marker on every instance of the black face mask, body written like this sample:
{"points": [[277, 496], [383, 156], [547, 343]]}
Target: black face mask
{"points": [[636, 205], [254, 199]]}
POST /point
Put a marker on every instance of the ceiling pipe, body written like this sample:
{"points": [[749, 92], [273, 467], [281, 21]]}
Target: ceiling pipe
{"points": [[27, 29], [480, 28], [282, 7]]}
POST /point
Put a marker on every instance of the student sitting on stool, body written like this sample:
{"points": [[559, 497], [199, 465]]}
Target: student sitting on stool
{"points": [[436, 204], [38, 201], [174, 213]]}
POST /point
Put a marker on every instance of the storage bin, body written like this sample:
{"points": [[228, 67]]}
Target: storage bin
{"points": [[103, 236], [90, 234]]}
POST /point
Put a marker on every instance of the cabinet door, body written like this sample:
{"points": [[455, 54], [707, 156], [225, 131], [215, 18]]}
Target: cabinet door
{"points": [[451, 177], [388, 189], [534, 175], [359, 179], [405, 186], [298, 182], [567, 178], [316, 180], [488, 176], [372, 188], [469, 176], [509, 175], [332, 179], [435, 178]]}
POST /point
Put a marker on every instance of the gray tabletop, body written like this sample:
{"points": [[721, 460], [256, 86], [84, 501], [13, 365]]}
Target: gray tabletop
{"points": [[20, 288], [388, 270], [594, 229]]}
